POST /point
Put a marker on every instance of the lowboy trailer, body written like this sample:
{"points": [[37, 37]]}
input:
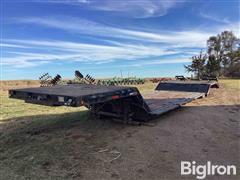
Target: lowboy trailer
{"points": [[119, 102]]}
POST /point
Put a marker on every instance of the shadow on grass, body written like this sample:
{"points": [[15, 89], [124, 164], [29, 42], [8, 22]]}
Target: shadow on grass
{"points": [[47, 123], [38, 124]]}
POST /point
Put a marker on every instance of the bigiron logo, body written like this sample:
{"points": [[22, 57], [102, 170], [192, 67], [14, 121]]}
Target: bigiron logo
{"points": [[208, 169]]}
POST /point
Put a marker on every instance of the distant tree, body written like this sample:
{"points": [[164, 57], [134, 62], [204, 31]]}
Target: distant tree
{"points": [[222, 47], [233, 68], [213, 67], [223, 57], [198, 65], [214, 46]]}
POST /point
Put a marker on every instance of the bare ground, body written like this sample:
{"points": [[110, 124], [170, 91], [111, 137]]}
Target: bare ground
{"points": [[71, 146]]}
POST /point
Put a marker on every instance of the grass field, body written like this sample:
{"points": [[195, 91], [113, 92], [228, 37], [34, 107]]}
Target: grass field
{"points": [[40, 142]]}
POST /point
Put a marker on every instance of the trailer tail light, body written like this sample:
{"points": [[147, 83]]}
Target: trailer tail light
{"points": [[115, 97]]}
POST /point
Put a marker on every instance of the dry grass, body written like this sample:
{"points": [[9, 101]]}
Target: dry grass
{"points": [[5, 85], [231, 83]]}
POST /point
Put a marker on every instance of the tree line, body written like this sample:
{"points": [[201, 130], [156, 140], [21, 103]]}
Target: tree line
{"points": [[222, 57]]}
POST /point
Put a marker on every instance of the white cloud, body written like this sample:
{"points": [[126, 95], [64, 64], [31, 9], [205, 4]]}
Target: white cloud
{"points": [[62, 1], [214, 18], [131, 8], [183, 60], [87, 53], [83, 26], [234, 27], [11, 45], [141, 44]]}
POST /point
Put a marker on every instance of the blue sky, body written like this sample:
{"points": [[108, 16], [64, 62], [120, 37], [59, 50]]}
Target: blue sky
{"points": [[142, 38]]}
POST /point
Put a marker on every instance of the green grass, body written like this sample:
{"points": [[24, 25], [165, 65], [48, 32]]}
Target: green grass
{"points": [[12, 108]]}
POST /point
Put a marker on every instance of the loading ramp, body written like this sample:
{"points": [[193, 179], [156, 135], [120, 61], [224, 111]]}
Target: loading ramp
{"points": [[119, 102], [187, 86]]}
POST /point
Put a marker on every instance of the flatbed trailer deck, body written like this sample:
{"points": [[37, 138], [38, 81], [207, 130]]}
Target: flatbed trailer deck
{"points": [[72, 94], [120, 102]]}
